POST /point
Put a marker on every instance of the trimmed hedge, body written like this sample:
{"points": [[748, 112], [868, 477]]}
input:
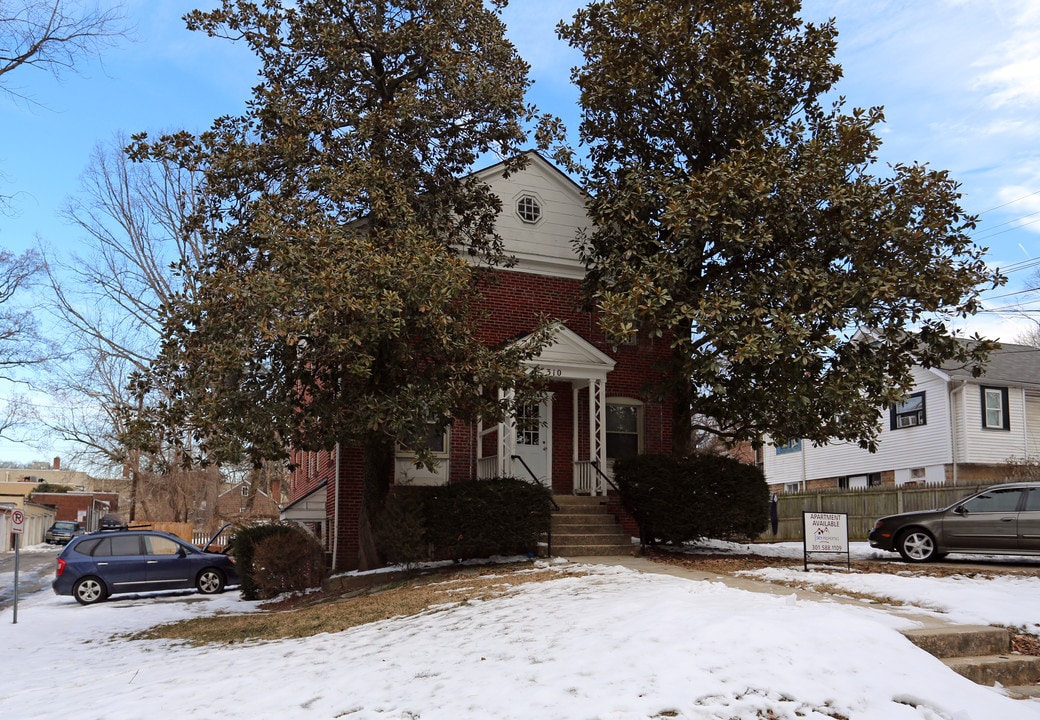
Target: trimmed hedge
{"points": [[274, 558], [676, 500], [500, 516]]}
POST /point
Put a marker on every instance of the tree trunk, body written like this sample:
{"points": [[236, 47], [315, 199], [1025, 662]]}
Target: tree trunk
{"points": [[378, 457], [682, 402]]}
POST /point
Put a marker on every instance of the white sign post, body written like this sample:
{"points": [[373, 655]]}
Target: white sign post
{"points": [[825, 533], [17, 527]]}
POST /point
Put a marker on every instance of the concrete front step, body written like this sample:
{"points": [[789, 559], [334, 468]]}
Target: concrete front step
{"points": [[582, 521], [583, 509], [591, 539], [583, 526], [983, 655], [570, 551]]}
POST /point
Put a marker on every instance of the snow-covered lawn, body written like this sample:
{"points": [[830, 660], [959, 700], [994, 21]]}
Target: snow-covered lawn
{"points": [[613, 644]]}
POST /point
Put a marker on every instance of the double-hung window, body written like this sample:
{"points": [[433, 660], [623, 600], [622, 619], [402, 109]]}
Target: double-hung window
{"points": [[624, 428], [995, 408]]}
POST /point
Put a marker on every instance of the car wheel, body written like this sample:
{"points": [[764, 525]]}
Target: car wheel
{"points": [[210, 581], [89, 590], [917, 546]]}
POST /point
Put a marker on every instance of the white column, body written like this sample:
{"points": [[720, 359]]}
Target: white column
{"points": [[507, 439], [598, 432], [575, 403]]}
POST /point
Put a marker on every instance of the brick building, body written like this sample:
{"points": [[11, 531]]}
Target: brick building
{"points": [[594, 412]]}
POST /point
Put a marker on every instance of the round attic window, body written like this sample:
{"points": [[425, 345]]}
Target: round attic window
{"points": [[528, 209]]}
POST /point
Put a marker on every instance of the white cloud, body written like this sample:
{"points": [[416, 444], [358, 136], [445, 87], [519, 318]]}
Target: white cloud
{"points": [[1013, 74]]}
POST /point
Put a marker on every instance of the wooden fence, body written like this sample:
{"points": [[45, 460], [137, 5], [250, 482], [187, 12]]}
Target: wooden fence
{"points": [[863, 506]]}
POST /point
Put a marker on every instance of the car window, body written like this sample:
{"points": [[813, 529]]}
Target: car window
{"points": [[125, 545], [1033, 499], [994, 501], [65, 526], [158, 545], [88, 547]]}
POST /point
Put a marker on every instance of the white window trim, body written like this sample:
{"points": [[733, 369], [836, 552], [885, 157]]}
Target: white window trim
{"points": [[640, 424], [538, 205], [406, 472]]}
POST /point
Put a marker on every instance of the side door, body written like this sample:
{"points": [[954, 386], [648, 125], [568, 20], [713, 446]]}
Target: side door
{"points": [[169, 563], [1029, 522], [985, 522], [120, 562]]}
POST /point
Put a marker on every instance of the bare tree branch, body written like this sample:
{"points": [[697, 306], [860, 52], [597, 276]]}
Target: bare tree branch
{"points": [[51, 34]]}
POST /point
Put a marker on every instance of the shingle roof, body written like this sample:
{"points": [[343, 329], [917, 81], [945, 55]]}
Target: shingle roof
{"points": [[1017, 365]]}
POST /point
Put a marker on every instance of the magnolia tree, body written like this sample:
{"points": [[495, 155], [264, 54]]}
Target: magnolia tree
{"points": [[336, 300], [738, 207]]}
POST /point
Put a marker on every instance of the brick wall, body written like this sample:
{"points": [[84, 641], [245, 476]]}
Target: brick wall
{"points": [[514, 304]]}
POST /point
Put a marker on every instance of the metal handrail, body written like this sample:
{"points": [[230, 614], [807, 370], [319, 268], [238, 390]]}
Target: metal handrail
{"points": [[548, 535], [595, 465], [534, 478]]}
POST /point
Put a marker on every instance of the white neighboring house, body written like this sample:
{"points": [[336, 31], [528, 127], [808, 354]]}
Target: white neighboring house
{"points": [[953, 428]]}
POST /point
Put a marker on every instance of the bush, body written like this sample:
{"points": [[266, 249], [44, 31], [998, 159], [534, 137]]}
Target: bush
{"points": [[677, 500], [288, 562], [276, 558], [400, 531], [501, 516]]}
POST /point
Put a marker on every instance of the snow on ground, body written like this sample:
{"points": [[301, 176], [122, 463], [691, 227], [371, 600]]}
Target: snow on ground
{"points": [[969, 598], [612, 645]]}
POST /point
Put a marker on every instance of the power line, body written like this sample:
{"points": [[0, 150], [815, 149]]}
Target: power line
{"points": [[1009, 222], [1011, 202], [1012, 229]]}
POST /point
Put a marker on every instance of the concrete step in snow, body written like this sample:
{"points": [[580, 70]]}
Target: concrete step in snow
{"points": [[1023, 692], [1006, 669], [983, 655], [961, 640]]}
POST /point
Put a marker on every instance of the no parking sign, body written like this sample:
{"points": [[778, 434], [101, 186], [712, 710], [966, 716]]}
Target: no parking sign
{"points": [[17, 525]]}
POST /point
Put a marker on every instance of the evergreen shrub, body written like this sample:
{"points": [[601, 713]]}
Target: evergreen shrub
{"points": [[274, 558], [500, 516], [676, 500]]}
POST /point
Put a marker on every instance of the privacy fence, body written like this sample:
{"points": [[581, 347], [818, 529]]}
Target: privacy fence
{"points": [[863, 506]]}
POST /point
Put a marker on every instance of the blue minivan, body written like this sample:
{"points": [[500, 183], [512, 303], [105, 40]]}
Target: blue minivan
{"points": [[94, 566]]}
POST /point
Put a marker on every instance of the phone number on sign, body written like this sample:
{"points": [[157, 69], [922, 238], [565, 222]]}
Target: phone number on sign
{"points": [[826, 548]]}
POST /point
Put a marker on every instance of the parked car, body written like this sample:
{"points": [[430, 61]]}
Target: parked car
{"points": [[97, 565], [1000, 520], [111, 521], [62, 531]]}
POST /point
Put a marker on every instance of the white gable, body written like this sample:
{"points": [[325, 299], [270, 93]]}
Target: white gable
{"points": [[571, 356], [546, 245]]}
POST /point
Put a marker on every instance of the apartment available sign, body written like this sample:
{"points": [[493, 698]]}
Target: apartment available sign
{"points": [[825, 533]]}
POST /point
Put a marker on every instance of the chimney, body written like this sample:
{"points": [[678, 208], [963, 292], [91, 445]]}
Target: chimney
{"points": [[276, 491], [57, 463]]}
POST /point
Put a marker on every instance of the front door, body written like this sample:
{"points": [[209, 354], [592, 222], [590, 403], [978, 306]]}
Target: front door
{"points": [[533, 433]]}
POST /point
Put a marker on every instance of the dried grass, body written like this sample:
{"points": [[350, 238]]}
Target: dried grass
{"points": [[318, 613]]}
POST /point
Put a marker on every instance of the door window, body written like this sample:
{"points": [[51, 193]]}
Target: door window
{"points": [[528, 425], [997, 501], [158, 545]]}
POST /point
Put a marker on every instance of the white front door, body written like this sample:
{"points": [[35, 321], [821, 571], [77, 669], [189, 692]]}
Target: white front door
{"points": [[533, 441]]}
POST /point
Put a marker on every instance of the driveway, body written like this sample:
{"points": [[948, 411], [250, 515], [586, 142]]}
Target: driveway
{"points": [[35, 572]]}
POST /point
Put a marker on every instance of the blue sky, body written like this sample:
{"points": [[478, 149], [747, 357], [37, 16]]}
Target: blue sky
{"points": [[959, 79]]}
